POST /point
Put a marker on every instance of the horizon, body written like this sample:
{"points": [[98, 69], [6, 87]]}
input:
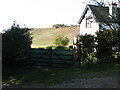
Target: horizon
{"points": [[40, 13]]}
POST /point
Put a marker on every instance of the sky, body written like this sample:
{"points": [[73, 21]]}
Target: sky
{"points": [[40, 13]]}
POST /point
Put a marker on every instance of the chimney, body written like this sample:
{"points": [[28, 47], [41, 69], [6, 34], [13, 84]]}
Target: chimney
{"points": [[113, 10]]}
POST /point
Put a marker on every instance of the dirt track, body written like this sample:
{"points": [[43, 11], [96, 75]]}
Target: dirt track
{"points": [[104, 82]]}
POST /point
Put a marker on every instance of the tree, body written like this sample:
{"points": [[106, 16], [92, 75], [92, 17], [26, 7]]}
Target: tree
{"points": [[58, 25], [60, 40], [85, 49], [16, 43]]}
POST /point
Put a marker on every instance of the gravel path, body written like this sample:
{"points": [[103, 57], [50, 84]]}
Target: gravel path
{"points": [[106, 82], [102, 82]]}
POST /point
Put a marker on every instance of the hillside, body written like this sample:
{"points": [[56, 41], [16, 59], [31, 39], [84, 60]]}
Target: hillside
{"points": [[43, 37]]}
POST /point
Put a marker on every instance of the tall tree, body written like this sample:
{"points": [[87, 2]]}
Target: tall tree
{"points": [[16, 43]]}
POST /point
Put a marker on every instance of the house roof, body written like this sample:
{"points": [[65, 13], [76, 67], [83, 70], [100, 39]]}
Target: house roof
{"points": [[101, 14]]}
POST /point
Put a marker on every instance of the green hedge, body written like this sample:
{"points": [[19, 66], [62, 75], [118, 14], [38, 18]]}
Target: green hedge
{"points": [[99, 48]]}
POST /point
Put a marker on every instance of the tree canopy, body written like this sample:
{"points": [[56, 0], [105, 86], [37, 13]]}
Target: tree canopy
{"points": [[16, 43]]}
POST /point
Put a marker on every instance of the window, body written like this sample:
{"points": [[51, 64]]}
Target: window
{"points": [[88, 23]]}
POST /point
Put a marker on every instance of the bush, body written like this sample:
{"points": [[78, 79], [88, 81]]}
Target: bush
{"points": [[85, 50], [106, 41], [49, 47], [105, 47], [59, 47], [61, 41], [58, 25], [16, 44]]}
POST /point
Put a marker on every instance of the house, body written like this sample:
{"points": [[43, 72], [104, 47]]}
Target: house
{"points": [[96, 18]]}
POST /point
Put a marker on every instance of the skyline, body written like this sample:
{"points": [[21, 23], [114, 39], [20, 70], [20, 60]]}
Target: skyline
{"points": [[40, 13]]}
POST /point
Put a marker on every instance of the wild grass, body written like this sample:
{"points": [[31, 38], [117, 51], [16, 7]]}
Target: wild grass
{"points": [[43, 37]]}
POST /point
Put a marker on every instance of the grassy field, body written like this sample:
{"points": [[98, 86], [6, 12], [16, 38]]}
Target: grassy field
{"points": [[55, 76], [43, 37]]}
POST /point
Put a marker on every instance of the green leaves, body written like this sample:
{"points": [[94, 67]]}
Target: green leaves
{"points": [[16, 44], [104, 46], [61, 41], [88, 42]]}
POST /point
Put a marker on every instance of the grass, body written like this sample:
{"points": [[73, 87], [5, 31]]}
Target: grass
{"points": [[54, 76], [43, 37]]}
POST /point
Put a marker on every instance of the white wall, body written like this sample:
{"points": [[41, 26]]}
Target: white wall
{"points": [[84, 30]]}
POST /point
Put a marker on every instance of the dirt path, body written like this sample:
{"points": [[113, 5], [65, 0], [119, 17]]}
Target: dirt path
{"points": [[104, 82]]}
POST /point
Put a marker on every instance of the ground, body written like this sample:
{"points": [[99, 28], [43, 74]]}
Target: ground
{"points": [[98, 76], [101, 82]]}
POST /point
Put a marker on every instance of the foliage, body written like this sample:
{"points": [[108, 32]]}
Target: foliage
{"points": [[60, 47], [16, 44], [104, 48], [47, 35], [88, 43], [106, 41], [58, 25], [63, 25], [49, 47], [60, 40], [86, 47], [57, 47]]}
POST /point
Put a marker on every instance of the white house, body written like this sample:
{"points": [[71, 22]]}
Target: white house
{"points": [[95, 18]]}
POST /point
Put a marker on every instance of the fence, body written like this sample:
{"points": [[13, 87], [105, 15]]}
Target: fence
{"points": [[49, 58]]}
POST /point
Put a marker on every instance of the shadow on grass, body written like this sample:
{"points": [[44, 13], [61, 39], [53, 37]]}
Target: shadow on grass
{"points": [[58, 75]]}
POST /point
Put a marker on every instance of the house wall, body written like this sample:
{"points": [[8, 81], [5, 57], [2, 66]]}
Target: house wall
{"points": [[92, 30], [93, 26]]}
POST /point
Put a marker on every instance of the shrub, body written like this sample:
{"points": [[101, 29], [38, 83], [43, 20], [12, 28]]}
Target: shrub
{"points": [[85, 48], [60, 47], [105, 47], [58, 25], [49, 47], [16, 44], [106, 41], [60, 40]]}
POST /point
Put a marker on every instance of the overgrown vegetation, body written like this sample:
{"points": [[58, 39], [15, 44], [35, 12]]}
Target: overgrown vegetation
{"points": [[103, 48], [108, 44], [16, 43]]}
